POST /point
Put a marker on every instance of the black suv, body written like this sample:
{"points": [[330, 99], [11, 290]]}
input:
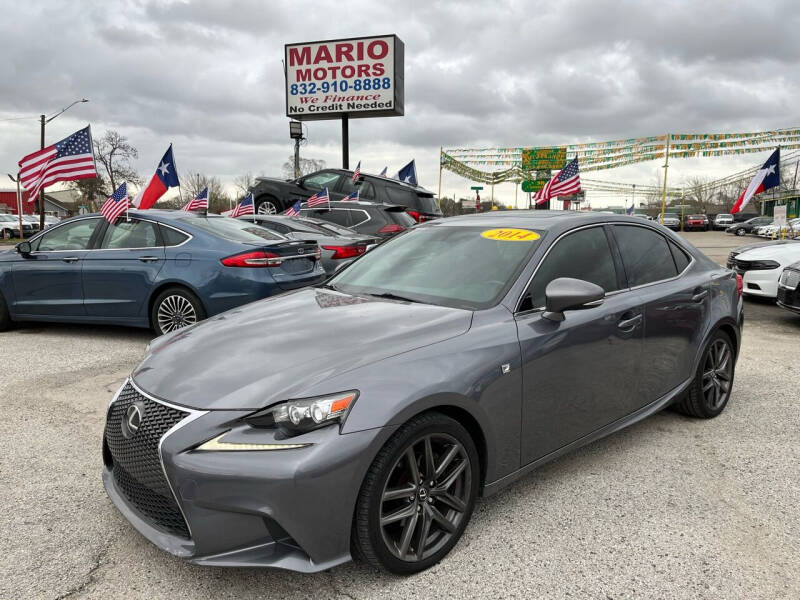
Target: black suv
{"points": [[378, 220], [276, 195]]}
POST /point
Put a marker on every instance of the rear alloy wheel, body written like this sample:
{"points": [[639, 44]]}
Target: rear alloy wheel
{"points": [[7, 234], [418, 495], [709, 393], [175, 308], [268, 207], [740, 231]]}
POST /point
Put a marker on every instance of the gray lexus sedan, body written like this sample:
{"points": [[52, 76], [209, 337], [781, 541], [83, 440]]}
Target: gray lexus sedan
{"points": [[363, 418]]}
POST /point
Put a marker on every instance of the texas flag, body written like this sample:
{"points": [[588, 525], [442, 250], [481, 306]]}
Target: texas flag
{"points": [[765, 178], [165, 177]]}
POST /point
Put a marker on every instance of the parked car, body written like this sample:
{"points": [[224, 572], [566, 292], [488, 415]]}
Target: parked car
{"points": [[50, 220], [696, 222], [275, 195], [642, 216], [669, 220], [367, 415], [159, 269], [734, 253], [381, 221], [789, 288], [748, 226], [791, 228], [723, 221], [9, 226], [34, 222], [337, 249], [761, 267]]}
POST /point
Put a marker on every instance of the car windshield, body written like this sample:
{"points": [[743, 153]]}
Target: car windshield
{"points": [[670, 216], [462, 267], [327, 227], [234, 230], [695, 216]]}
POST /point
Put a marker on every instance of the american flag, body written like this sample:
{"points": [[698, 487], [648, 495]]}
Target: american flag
{"points": [[564, 183], [199, 202], [245, 207], [351, 197], [357, 172], [116, 204], [383, 173], [293, 210], [320, 197], [70, 159]]}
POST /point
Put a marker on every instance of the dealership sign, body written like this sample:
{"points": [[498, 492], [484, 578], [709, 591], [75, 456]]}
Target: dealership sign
{"points": [[358, 77]]}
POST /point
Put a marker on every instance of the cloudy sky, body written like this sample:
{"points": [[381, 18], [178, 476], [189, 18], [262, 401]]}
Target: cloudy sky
{"points": [[207, 76]]}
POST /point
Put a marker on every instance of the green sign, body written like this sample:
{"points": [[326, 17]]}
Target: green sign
{"points": [[541, 159], [533, 185], [477, 188]]}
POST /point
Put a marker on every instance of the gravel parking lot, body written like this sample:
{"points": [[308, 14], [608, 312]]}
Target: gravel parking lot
{"points": [[670, 508]]}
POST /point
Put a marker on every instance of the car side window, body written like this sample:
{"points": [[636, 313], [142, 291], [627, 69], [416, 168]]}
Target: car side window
{"points": [[321, 180], [365, 189], [401, 196], [172, 237], [131, 233], [358, 216], [645, 254], [583, 254], [682, 259], [70, 236]]}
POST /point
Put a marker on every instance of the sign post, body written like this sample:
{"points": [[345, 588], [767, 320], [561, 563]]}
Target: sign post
{"points": [[344, 79]]}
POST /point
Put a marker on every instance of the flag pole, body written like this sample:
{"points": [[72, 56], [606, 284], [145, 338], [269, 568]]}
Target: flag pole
{"points": [[664, 194], [174, 164], [439, 197], [253, 198]]}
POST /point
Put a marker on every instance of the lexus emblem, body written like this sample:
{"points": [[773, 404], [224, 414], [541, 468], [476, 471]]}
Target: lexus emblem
{"points": [[133, 420], [301, 250]]}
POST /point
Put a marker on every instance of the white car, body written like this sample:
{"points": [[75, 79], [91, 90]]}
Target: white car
{"points": [[791, 229], [761, 267], [723, 221]]}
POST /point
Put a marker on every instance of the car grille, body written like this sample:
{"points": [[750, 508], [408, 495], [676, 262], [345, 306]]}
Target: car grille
{"points": [[790, 278], [136, 464], [731, 263]]}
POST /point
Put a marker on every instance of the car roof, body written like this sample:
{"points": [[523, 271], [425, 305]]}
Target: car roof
{"points": [[536, 219], [416, 188], [354, 203]]}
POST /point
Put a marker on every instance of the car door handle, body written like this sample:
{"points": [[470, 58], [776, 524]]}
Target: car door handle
{"points": [[71, 259], [700, 296], [628, 324], [148, 258]]}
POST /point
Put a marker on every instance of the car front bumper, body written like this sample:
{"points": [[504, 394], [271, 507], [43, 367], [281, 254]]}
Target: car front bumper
{"points": [[789, 299], [761, 283], [288, 509]]}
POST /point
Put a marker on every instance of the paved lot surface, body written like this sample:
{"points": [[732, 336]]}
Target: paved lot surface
{"points": [[670, 508]]}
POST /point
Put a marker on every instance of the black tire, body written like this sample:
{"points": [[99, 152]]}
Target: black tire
{"points": [[710, 390], [7, 234], [269, 205], [740, 231], [373, 532], [5, 318], [182, 307]]}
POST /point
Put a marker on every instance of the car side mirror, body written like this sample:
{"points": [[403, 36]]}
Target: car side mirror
{"points": [[566, 293], [24, 248]]}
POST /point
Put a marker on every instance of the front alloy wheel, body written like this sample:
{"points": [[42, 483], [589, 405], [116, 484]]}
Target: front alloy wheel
{"points": [[418, 495], [740, 231]]}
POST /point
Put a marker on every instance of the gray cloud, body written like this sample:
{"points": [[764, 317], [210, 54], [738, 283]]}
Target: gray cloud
{"points": [[207, 75]]}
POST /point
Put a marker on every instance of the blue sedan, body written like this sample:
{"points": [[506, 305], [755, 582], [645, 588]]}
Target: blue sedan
{"points": [[154, 268]]}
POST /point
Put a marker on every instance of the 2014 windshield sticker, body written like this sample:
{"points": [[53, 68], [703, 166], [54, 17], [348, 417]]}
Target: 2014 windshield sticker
{"points": [[510, 235]]}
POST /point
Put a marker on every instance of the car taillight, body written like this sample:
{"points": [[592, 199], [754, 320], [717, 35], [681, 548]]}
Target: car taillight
{"points": [[739, 285], [346, 251], [391, 228], [416, 215], [258, 258]]}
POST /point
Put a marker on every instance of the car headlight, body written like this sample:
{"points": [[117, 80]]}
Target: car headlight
{"points": [[298, 416], [763, 265]]}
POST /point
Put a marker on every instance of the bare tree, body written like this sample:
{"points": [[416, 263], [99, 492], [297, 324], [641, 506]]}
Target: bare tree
{"points": [[218, 198], [114, 154], [307, 165], [243, 183]]}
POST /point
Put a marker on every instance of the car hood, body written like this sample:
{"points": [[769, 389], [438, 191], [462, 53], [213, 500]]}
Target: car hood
{"points": [[748, 247], [276, 349], [783, 253]]}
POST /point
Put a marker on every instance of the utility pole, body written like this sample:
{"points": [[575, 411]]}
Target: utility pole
{"points": [[664, 195], [345, 143]]}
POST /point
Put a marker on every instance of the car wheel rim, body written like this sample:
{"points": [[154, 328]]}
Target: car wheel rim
{"points": [[425, 497], [717, 374], [174, 312], [267, 208]]}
